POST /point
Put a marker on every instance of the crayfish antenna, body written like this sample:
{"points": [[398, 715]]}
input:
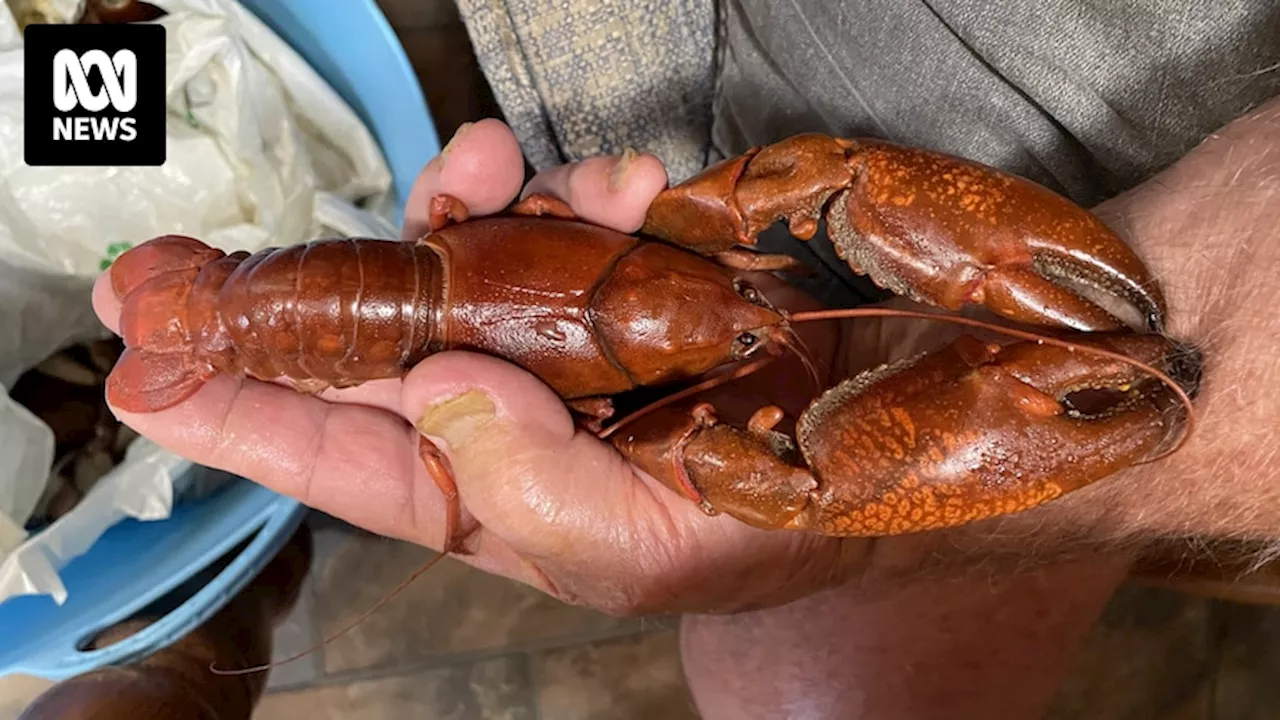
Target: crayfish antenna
{"points": [[713, 382], [788, 338], [1175, 386], [362, 617]]}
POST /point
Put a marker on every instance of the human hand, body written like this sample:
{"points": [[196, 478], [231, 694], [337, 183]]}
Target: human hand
{"points": [[563, 512], [555, 507]]}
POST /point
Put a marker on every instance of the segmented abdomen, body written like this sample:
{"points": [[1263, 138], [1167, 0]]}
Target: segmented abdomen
{"points": [[339, 311]]}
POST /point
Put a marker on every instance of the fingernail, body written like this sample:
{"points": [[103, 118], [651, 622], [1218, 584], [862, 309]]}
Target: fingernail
{"points": [[462, 130], [618, 176], [458, 419], [437, 162]]}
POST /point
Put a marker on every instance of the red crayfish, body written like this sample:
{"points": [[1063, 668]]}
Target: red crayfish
{"points": [[964, 433]]}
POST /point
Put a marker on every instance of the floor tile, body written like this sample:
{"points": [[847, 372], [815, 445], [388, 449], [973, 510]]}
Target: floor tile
{"points": [[496, 689], [451, 609], [293, 635], [637, 677]]}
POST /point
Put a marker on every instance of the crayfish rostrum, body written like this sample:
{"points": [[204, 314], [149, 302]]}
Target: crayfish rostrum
{"points": [[970, 431]]}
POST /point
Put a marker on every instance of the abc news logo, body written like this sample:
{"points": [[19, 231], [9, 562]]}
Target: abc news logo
{"points": [[71, 90], [94, 95]]}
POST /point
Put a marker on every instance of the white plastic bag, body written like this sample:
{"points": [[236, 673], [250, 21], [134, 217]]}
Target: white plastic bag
{"points": [[141, 487], [261, 152], [253, 135], [26, 451]]}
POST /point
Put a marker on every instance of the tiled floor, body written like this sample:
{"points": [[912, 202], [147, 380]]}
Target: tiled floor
{"points": [[459, 643]]}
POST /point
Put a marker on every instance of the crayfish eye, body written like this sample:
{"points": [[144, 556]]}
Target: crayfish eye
{"points": [[748, 293], [746, 345]]}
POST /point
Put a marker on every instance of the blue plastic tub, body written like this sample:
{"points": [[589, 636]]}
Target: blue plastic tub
{"points": [[135, 564]]}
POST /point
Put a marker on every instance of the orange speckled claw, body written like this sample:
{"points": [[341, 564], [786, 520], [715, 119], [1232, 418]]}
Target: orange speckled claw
{"points": [[949, 233], [974, 431], [959, 435], [937, 229]]}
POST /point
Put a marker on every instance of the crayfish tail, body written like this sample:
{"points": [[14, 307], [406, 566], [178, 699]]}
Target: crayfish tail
{"points": [[156, 257], [165, 286], [144, 382]]}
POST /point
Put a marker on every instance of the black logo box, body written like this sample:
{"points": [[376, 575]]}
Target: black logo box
{"points": [[146, 148]]}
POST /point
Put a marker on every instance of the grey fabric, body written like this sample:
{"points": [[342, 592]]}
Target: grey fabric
{"points": [[577, 78], [1088, 97], [1085, 96]]}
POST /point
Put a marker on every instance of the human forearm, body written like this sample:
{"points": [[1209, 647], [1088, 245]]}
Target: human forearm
{"points": [[1208, 228]]}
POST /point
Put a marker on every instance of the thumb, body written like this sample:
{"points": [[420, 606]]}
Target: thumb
{"points": [[598, 532], [522, 468]]}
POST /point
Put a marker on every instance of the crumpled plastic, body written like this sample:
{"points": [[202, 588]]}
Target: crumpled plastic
{"points": [[261, 152], [143, 487], [26, 451]]}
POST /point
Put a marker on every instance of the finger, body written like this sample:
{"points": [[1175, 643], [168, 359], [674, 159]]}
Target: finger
{"points": [[381, 394], [524, 471], [571, 506], [354, 462], [105, 302], [482, 165], [612, 191], [359, 464]]}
